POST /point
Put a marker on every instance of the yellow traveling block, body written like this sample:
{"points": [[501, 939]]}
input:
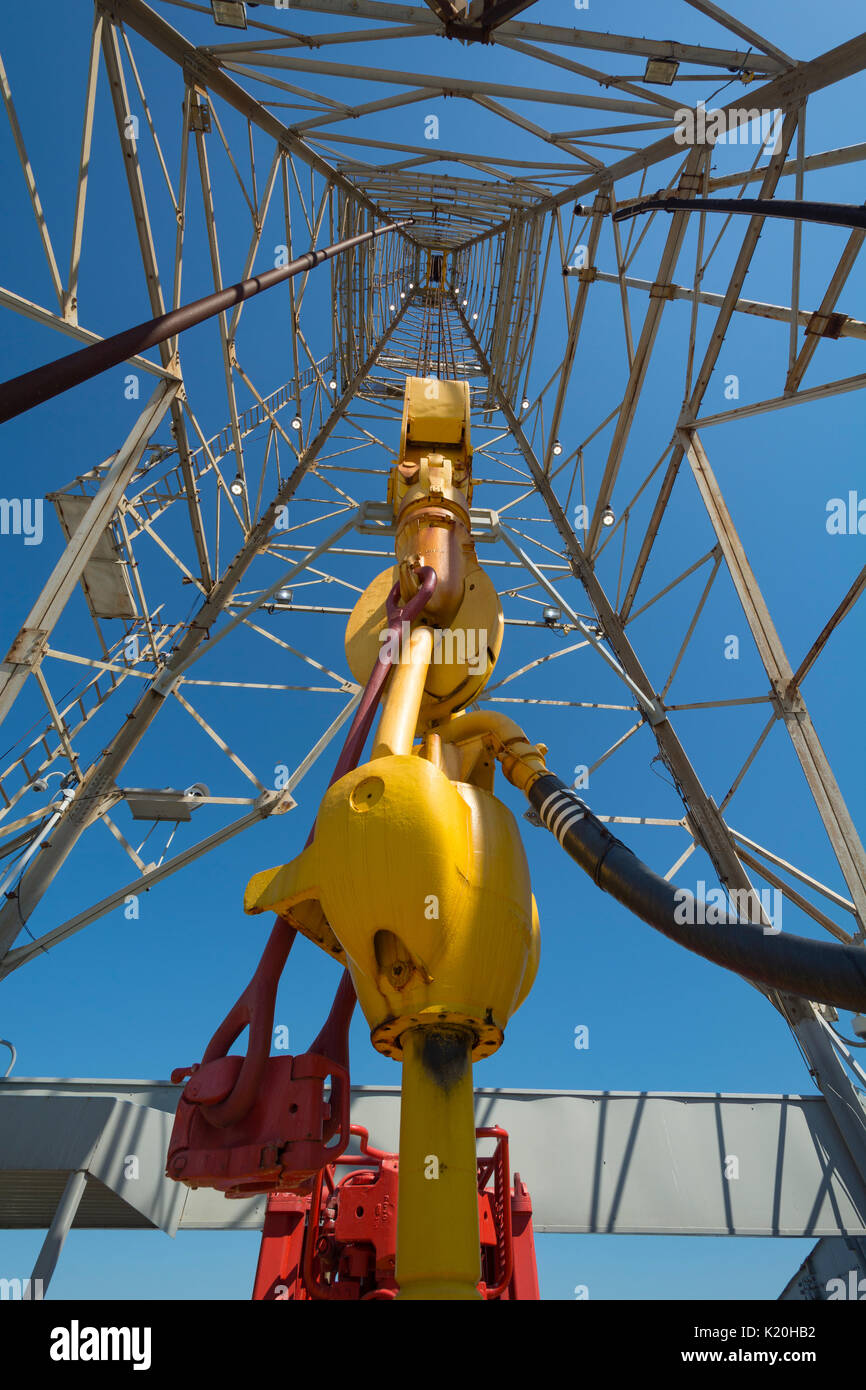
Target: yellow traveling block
{"points": [[435, 412], [431, 902]]}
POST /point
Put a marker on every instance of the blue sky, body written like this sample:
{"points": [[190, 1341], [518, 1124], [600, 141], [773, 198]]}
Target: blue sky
{"points": [[137, 998]]}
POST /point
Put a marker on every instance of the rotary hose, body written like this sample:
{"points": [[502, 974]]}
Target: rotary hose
{"points": [[821, 971]]}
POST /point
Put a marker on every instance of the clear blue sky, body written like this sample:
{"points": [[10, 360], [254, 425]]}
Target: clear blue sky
{"points": [[135, 999]]}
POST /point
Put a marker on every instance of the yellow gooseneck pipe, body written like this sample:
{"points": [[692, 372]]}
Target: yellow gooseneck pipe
{"points": [[522, 762]]}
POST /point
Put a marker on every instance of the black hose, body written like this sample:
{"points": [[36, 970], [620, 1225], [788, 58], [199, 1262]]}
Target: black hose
{"points": [[837, 214], [822, 971]]}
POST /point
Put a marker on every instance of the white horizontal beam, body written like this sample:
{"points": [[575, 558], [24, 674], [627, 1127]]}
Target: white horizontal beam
{"points": [[627, 1162]]}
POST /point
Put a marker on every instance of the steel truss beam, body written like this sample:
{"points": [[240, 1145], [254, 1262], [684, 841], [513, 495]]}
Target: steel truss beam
{"points": [[741, 60]]}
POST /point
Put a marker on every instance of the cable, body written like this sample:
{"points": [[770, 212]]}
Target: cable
{"points": [[841, 1036], [23, 392], [837, 1042]]}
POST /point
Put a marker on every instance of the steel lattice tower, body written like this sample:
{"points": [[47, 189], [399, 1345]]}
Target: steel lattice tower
{"points": [[251, 479]]}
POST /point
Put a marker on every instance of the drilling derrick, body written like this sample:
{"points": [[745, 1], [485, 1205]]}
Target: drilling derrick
{"points": [[391, 424]]}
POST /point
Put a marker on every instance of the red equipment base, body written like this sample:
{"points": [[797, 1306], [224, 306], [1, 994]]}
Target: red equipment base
{"points": [[338, 1238]]}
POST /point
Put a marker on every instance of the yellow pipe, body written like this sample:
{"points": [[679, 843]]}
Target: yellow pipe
{"points": [[522, 762], [438, 1240], [403, 696]]}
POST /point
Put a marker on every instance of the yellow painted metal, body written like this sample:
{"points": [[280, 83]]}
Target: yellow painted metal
{"points": [[435, 412], [431, 906], [522, 762], [435, 424], [438, 1254], [466, 650], [403, 696], [434, 528], [430, 490]]}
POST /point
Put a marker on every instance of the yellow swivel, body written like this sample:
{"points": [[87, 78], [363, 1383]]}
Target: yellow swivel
{"points": [[424, 885]]}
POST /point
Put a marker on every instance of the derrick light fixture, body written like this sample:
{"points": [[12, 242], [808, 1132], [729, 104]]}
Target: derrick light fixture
{"points": [[231, 13]]}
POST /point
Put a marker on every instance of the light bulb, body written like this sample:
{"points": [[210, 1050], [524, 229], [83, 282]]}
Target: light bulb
{"points": [[236, 486], [607, 517], [557, 448], [296, 422]]}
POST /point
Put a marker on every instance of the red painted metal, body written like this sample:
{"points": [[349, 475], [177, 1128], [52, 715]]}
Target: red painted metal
{"points": [[495, 1216], [524, 1277], [338, 1238], [283, 1130], [282, 1248], [351, 1240]]}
